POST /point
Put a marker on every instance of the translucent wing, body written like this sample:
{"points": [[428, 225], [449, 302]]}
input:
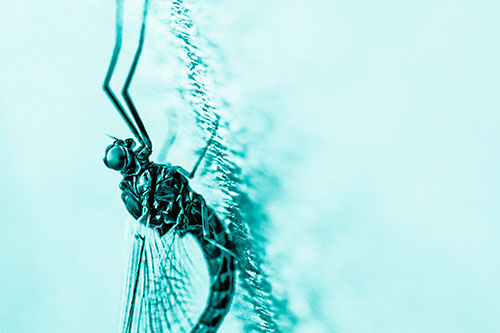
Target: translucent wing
{"points": [[168, 282]]}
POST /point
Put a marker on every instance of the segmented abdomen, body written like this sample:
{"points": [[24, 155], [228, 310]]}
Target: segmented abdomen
{"points": [[215, 245]]}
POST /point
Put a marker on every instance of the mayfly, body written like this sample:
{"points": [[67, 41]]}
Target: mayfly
{"points": [[160, 198]]}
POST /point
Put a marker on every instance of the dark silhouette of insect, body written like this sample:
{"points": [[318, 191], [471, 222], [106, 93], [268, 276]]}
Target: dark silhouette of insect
{"points": [[159, 197]]}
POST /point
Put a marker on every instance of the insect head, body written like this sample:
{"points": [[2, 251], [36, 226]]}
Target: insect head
{"points": [[119, 155]]}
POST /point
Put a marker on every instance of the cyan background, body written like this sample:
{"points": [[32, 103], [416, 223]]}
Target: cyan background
{"points": [[387, 111]]}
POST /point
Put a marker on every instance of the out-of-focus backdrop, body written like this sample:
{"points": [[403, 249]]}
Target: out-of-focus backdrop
{"points": [[384, 142]]}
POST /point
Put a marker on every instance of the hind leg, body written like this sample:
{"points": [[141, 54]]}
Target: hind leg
{"points": [[214, 232], [204, 223]]}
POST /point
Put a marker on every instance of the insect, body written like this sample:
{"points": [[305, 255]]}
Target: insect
{"points": [[168, 212]]}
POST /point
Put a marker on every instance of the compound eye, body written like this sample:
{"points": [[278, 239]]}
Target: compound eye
{"points": [[116, 158]]}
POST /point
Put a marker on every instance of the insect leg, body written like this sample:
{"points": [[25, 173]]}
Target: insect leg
{"points": [[208, 216], [111, 69], [171, 136], [209, 142], [128, 81]]}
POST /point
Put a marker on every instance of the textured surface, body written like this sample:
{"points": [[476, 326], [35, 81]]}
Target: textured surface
{"points": [[386, 219]]}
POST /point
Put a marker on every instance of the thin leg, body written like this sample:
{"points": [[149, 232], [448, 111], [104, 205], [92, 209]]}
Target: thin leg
{"points": [[111, 69], [205, 225], [173, 124], [209, 142], [128, 81]]}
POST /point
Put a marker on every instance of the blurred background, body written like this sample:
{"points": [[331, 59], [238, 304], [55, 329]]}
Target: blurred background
{"points": [[383, 140]]}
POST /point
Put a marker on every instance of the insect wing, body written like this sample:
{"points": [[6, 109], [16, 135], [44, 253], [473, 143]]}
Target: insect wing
{"points": [[167, 282]]}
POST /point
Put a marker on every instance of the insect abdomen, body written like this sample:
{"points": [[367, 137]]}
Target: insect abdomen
{"points": [[221, 267]]}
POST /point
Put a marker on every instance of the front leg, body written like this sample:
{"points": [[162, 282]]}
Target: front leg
{"points": [[125, 91]]}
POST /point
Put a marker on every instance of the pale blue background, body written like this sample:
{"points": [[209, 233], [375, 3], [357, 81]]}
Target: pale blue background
{"points": [[386, 114]]}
